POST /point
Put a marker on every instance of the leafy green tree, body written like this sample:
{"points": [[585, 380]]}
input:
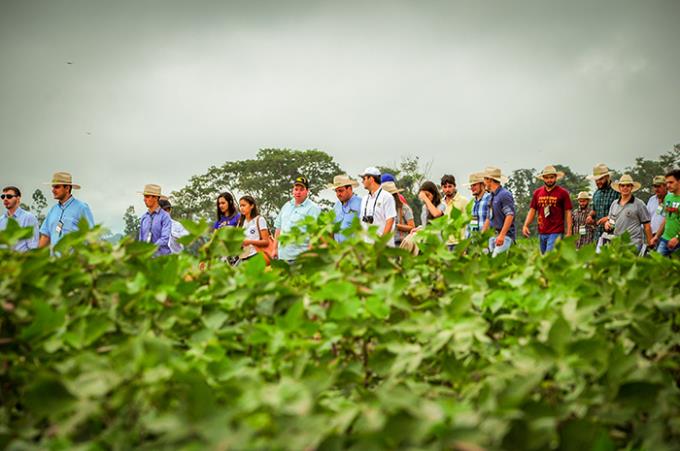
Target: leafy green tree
{"points": [[39, 204], [131, 222], [409, 175], [268, 178], [644, 170]]}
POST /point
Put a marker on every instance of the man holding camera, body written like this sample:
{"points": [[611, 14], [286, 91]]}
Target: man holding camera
{"points": [[378, 208]]}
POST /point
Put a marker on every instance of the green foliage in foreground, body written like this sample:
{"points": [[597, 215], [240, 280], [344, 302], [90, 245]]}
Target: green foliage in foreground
{"points": [[360, 346]]}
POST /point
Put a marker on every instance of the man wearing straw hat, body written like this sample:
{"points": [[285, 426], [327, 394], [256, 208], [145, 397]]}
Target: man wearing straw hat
{"points": [[65, 216], [629, 214], [603, 198], [501, 212], [552, 204], [348, 205], [155, 226], [655, 203], [480, 206], [584, 231]]}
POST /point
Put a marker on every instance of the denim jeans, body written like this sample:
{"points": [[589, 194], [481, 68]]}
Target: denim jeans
{"points": [[663, 249], [548, 241], [495, 250]]}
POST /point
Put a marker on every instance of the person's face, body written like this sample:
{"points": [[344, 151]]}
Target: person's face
{"points": [[151, 202], [626, 189], [583, 203], [344, 193], [448, 189], [223, 205], [59, 192], [488, 183], [428, 195], [550, 180], [366, 181], [672, 184], [12, 202], [660, 190], [299, 193], [245, 207], [602, 181], [477, 188]]}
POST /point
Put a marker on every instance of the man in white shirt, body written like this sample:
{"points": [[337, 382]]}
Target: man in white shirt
{"points": [[177, 230], [655, 203], [378, 208]]}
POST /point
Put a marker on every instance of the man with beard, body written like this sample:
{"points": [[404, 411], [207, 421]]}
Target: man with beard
{"points": [[603, 198], [553, 206], [11, 199]]}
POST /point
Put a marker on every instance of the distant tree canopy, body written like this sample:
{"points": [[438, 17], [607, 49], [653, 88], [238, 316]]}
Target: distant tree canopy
{"points": [[268, 178]]}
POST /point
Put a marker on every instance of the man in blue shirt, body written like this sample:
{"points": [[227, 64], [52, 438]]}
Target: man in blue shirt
{"points": [[292, 212], [348, 205], [155, 226], [11, 199], [63, 218], [501, 212]]}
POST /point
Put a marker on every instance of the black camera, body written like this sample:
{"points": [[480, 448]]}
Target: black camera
{"points": [[368, 219]]}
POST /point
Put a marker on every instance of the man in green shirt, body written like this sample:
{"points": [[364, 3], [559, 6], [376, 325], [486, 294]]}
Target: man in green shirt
{"points": [[668, 235]]}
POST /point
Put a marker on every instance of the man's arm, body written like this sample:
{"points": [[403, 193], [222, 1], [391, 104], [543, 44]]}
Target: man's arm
{"points": [[500, 240], [166, 230], [527, 222], [657, 235], [648, 233], [569, 218], [44, 241], [388, 226], [277, 234]]}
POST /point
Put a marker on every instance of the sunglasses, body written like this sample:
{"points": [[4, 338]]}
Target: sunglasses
{"points": [[7, 196]]}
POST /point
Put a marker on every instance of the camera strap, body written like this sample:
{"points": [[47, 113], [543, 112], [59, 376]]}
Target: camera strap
{"points": [[374, 203]]}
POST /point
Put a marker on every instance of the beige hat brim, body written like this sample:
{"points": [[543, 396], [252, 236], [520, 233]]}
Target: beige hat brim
{"points": [[559, 174], [636, 186], [353, 184], [72, 185], [598, 177], [146, 193], [502, 179]]}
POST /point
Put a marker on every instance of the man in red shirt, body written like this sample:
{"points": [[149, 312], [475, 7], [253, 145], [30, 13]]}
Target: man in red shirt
{"points": [[553, 205]]}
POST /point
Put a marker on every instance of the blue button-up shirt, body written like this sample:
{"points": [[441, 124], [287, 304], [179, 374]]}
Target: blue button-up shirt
{"points": [[480, 213], [68, 215], [345, 214], [155, 227], [502, 204], [288, 217], [25, 219]]}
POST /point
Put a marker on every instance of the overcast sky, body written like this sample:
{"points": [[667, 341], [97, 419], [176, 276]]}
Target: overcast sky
{"points": [[124, 93]]}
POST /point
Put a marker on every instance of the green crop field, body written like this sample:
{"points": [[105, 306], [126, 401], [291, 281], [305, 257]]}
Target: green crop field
{"points": [[357, 347]]}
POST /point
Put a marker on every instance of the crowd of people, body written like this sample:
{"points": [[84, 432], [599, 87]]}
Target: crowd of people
{"points": [[611, 211]]}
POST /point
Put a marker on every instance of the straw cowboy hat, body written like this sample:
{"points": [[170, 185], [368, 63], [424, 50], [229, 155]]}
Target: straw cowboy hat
{"points": [[626, 180], [550, 170], [151, 190], [343, 180], [584, 195], [476, 177], [495, 174], [659, 180], [600, 170], [63, 178], [391, 188]]}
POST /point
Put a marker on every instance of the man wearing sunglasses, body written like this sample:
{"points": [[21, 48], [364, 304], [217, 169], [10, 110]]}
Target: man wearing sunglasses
{"points": [[11, 199]]}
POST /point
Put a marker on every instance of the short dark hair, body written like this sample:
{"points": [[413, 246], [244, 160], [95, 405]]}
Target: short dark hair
{"points": [[377, 178], [16, 190], [674, 173], [448, 179]]}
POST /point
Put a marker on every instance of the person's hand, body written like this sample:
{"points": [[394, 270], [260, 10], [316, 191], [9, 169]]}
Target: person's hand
{"points": [[603, 220], [422, 196], [607, 226], [673, 243], [590, 220], [653, 241], [500, 240], [526, 232]]}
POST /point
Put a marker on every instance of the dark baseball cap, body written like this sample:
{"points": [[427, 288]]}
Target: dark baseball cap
{"points": [[301, 180]]}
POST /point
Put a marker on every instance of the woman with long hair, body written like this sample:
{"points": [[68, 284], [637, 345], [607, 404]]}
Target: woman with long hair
{"points": [[227, 213], [254, 228], [433, 205], [404, 221]]}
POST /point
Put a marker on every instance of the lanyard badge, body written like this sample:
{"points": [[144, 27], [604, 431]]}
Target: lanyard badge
{"points": [[60, 227], [546, 211]]}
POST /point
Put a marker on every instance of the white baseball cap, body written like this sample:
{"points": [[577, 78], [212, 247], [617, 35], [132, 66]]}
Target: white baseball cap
{"points": [[371, 170]]}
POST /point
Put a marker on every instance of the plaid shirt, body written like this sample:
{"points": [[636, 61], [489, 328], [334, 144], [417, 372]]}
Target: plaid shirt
{"points": [[480, 209], [602, 200], [579, 216]]}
